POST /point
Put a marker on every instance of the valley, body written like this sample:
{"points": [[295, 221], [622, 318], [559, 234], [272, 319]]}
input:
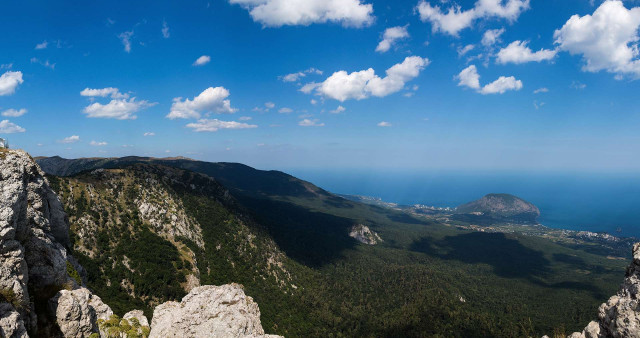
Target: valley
{"points": [[287, 241]]}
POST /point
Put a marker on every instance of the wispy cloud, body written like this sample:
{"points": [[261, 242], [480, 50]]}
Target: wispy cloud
{"points": [[294, 77], [311, 123], [165, 30], [338, 110], [212, 125], [42, 45], [14, 112], [98, 144], [43, 63], [125, 37]]}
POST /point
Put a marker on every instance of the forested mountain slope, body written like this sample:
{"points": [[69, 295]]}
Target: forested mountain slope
{"points": [[288, 242]]}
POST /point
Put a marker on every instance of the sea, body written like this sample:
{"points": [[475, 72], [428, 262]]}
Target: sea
{"points": [[576, 201]]}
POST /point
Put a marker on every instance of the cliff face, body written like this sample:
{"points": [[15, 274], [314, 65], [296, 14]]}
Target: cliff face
{"points": [[619, 316], [33, 235]]}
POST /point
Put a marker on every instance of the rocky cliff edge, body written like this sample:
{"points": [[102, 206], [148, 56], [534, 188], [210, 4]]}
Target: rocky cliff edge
{"points": [[620, 315]]}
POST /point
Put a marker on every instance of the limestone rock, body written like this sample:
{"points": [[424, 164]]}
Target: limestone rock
{"points": [[11, 324], [77, 312], [209, 311], [364, 235], [620, 315], [33, 256], [137, 314], [33, 233]]}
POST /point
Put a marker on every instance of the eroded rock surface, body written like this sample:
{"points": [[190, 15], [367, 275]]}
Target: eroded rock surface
{"points": [[364, 235], [209, 311], [620, 315], [33, 258], [77, 312], [33, 235]]}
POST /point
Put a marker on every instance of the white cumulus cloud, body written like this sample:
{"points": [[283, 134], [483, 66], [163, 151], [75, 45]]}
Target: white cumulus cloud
{"points": [[14, 112], [518, 52], [104, 92], [98, 144], [541, 90], [9, 81], [277, 13], [212, 125], [606, 40], [70, 139], [384, 124], [7, 127], [149, 133], [501, 85], [360, 85], [455, 19], [285, 110], [203, 60], [390, 36], [469, 77], [210, 100], [121, 107]]}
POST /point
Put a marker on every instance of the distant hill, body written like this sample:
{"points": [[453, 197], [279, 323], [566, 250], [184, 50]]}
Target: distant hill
{"points": [[235, 176], [501, 207]]}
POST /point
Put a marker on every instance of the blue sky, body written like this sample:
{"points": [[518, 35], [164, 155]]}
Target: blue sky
{"points": [[486, 85]]}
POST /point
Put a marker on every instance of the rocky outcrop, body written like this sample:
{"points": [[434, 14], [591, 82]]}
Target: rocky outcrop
{"points": [[620, 315], [11, 323], [77, 312], [363, 234], [33, 236], [137, 315], [36, 293], [209, 311]]}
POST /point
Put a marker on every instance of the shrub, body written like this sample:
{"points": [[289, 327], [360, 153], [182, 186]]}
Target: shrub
{"points": [[73, 273], [8, 296]]}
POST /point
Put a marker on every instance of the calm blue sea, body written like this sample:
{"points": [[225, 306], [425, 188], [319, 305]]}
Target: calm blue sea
{"points": [[594, 202]]}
